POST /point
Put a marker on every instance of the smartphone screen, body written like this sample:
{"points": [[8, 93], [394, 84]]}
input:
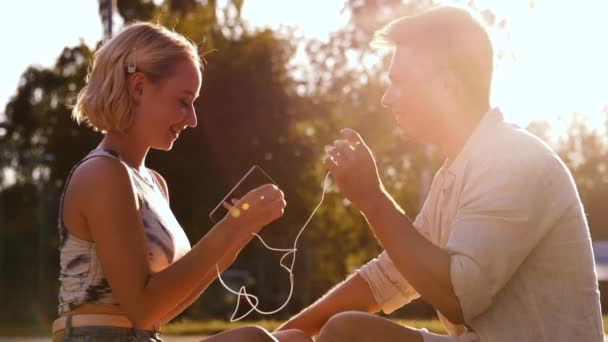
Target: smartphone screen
{"points": [[254, 178]]}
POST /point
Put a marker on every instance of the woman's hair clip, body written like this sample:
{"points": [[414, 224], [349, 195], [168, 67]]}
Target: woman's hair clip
{"points": [[132, 67]]}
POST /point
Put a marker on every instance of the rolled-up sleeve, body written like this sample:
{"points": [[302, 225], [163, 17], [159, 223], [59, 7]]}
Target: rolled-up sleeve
{"points": [[389, 288], [496, 227]]}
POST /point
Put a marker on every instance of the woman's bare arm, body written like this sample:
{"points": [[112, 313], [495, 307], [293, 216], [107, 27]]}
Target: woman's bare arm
{"points": [[116, 228]]}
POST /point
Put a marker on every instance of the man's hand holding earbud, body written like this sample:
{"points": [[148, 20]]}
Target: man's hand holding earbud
{"points": [[351, 163]]}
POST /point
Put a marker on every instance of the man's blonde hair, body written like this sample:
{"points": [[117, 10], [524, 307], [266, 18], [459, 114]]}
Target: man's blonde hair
{"points": [[104, 103], [454, 37]]}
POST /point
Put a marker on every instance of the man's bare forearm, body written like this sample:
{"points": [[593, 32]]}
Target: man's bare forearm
{"points": [[351, 295], [425, 265]]}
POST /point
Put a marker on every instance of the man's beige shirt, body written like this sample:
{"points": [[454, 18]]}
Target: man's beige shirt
{"points": [[508, 213]]}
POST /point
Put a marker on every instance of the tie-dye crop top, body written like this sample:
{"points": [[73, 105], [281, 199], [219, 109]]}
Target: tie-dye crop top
{"points": [[81, 277]]}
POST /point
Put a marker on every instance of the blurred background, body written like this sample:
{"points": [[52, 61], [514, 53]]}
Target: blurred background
{"points": [[281, 79]]}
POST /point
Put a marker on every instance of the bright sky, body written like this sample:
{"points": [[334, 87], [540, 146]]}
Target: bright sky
{"points": [[560, 66], [35, 32], [561, 59]]}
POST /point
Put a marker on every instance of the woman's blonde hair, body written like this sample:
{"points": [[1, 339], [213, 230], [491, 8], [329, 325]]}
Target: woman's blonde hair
{"points": [[105, 103]]}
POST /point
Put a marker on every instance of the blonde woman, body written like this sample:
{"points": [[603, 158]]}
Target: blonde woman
{"points": [[127, 267]]}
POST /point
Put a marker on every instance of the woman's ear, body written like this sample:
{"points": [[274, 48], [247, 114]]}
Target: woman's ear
{"points": [[136, 86]]}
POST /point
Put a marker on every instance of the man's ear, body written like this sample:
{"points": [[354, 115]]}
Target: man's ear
{"points": [[136, 84], [452, 85]]}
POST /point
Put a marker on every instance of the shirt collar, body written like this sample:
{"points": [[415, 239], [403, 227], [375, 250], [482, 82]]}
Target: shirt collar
{"points": [[484, 128]]}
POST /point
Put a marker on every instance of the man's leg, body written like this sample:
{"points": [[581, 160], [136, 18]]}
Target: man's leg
{"points": [[250, 334], [291, 335], [355, 326]]}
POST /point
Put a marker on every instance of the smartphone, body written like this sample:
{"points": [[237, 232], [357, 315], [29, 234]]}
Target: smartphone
{"points": [[254, 178]]}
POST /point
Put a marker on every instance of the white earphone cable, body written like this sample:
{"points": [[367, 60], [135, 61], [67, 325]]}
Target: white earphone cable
{"points": [[242, 292]]}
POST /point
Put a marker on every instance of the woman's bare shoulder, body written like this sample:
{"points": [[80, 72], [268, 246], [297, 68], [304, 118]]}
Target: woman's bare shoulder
{"points": [[100, 177]]}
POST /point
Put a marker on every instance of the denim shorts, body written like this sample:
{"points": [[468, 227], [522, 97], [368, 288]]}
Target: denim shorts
{"points": [[104, 334]]}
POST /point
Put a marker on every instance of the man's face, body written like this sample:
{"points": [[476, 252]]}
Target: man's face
{"points": [[415, 95]]}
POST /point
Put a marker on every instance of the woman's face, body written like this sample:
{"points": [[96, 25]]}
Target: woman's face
{"points": [[166, 108]]}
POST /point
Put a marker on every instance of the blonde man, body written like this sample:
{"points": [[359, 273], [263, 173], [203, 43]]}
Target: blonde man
{"points": [[501, 247]]}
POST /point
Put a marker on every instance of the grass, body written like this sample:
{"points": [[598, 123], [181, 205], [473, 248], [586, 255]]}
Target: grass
{"points": [[24, 329]]}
